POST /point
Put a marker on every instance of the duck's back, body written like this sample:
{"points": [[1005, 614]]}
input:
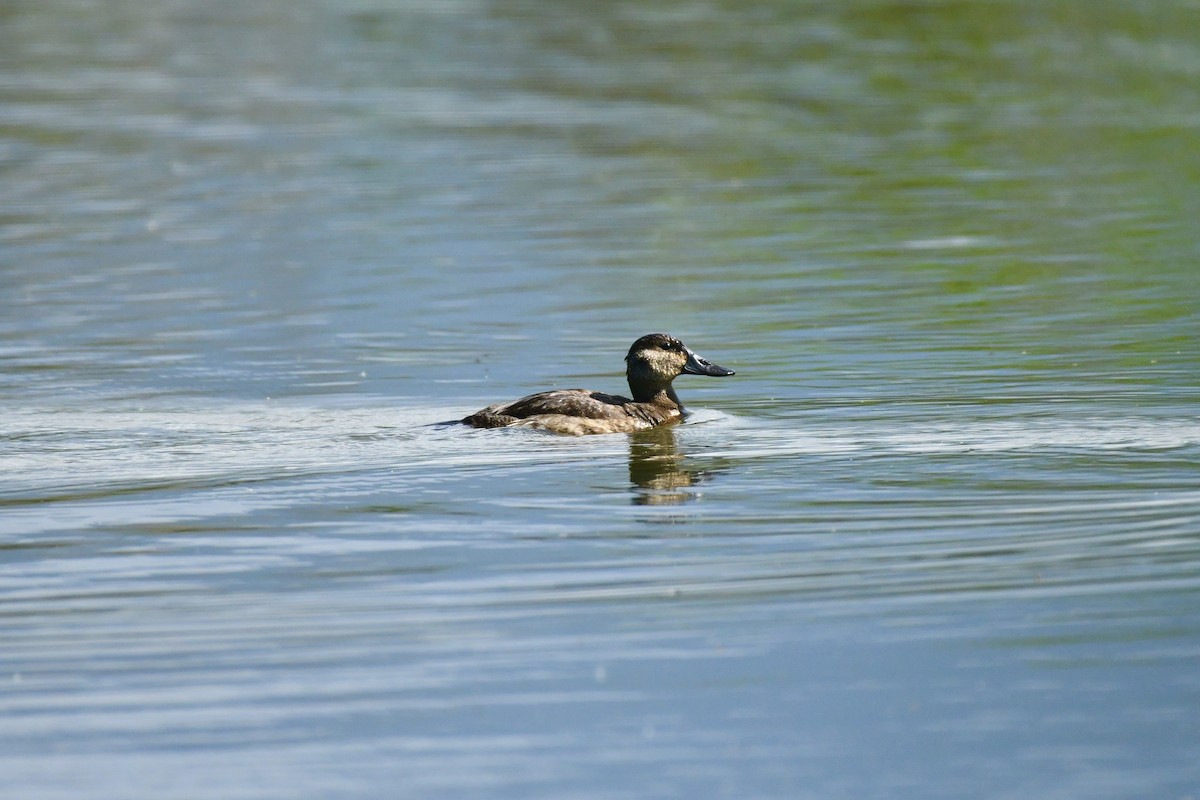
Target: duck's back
{"points": [[572, 411]]}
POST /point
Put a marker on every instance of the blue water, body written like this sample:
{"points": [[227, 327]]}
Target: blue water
{"points": [[938, 537]]}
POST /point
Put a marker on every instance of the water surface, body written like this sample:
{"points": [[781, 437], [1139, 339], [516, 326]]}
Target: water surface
{"points": [[937, 538]]}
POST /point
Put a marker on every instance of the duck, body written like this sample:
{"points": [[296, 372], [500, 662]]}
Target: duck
{"points": [[653, 362]]}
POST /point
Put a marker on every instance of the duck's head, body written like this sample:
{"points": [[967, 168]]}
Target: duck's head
{"points": [[656, 359]]}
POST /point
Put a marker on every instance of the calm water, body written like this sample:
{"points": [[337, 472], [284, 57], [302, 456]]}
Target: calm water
{"points": [[939, 537]]}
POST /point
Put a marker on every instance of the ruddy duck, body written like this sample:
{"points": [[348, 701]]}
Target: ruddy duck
{"points": [[652, 363]]}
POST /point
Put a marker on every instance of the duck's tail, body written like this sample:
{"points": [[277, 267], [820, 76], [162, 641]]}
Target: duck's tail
{"points": [[489, 419]]}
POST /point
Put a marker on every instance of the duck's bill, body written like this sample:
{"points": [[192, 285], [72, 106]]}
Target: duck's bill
{"points": [[698, 366]]}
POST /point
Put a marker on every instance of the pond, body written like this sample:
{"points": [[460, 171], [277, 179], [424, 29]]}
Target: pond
{"points": [[938, 537]]}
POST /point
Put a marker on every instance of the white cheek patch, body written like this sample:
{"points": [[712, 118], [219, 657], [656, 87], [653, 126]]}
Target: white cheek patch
{"points": [[662, 362]]}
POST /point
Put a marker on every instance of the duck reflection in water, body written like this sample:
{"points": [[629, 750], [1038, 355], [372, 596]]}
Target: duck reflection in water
{"points": [[658, 471]]}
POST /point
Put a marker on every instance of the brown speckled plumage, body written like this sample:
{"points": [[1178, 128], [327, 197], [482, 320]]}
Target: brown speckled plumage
{"points": [[652, 363]]}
